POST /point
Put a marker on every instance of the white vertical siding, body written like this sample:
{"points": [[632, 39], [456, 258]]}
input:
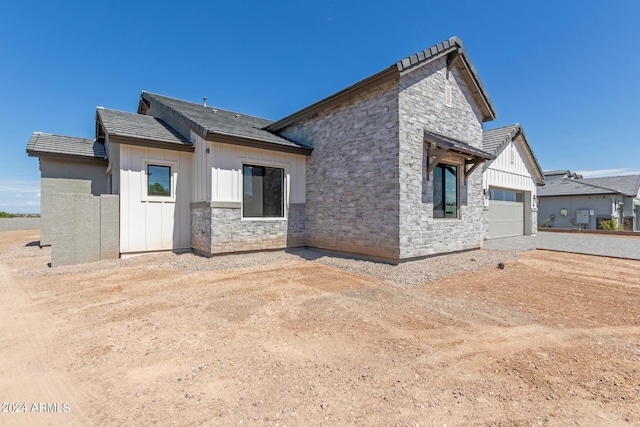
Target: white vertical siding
{"points": [[510, 170], [151, 225], [225, 163]]}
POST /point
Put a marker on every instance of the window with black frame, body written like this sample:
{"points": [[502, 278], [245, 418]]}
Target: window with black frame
{"points": [[262, 192], [445, 191]]}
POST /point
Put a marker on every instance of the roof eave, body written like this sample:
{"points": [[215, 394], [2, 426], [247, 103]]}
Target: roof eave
{"points": [[488, 110], [40, 154], [255, 143], [405, 65], [338, 97], [150, 143]]}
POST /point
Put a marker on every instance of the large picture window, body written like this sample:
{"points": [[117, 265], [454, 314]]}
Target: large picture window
{"points": [[262, 192], [159, 180], [445, 191]]}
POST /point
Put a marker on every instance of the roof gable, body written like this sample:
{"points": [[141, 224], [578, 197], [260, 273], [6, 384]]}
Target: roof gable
{"points": [[451, 48], [46, 144], [494, 141], [136, 129], [220, 125]]}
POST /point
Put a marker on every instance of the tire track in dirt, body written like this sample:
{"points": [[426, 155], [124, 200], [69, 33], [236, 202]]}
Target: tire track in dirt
{"points": [[31, 372]]}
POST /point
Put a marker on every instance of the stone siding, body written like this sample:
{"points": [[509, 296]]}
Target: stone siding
{"points": [[217, 230], [422, 107], [201, 227], [352, 186]]}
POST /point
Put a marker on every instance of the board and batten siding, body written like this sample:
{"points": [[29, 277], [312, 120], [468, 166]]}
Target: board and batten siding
{"points": [[153, 225], [218, 173], [510, 171]]}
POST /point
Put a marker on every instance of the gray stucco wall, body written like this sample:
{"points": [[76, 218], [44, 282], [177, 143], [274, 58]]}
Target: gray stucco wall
{"points": [[67, 176], [352, 185], [548, 206], [85, 228], [219, 228], [422, 107]]}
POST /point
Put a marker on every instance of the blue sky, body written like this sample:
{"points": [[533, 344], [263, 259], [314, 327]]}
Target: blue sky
{"points": [[566, 70]]}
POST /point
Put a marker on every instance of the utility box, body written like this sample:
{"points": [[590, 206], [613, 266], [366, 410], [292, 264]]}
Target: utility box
{"points": [[582, 216]]}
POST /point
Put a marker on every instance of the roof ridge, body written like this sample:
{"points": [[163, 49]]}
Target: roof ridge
{"points": [[209, 107], [503, 127], [63, 136], [580, 181]]}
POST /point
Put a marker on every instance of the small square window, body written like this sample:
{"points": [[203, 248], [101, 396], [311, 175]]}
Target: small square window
{"points": [[159, 180]]}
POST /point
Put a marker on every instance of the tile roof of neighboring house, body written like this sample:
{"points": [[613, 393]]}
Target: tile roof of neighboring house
{"points": [[555, 174], [141, 130], [628, 185], [495, 140], [219, 123], [46, 144], [451, 48]]}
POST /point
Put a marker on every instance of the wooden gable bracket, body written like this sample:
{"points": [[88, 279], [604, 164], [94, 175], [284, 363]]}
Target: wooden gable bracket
{"points": [[434, 155], [475, 162]]}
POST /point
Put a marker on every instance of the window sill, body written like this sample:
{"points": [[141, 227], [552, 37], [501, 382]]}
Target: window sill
{"points": [[263, 219], [152, 199]]}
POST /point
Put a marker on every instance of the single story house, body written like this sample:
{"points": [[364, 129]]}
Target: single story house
{"points": [[585, 203], [510, 182], [559, 174], [388, 168]]}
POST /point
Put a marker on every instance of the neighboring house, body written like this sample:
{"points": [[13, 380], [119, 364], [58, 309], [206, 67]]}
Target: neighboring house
{"points": [[558, 174], [386, 168], [584, 203], [510, 181]]}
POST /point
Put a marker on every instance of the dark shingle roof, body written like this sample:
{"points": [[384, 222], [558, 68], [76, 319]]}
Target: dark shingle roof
{"points": [[556, 174], [452, 47], [139, 127], [58, 145], [494, 141], [221, 122], [627, 185], [570, 187]]}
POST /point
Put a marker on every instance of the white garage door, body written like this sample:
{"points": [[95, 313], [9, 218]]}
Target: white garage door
{"points": [[506, 213]]}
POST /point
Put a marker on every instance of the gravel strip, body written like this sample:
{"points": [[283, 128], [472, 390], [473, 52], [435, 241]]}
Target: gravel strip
{"points": [[28, 251], [410, 273]]}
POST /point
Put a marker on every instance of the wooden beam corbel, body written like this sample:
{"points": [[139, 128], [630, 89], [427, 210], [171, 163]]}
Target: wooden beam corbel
{"points": [[475, 166], [434, 160], [452, 57]]}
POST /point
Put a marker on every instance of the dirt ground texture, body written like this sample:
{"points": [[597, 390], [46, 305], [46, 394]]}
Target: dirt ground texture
{"points": [[551, 339]]}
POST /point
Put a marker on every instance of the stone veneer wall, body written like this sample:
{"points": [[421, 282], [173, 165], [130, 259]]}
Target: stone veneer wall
{"points": [[219, 228], [352, 186], [534, 221], [421, 104]]}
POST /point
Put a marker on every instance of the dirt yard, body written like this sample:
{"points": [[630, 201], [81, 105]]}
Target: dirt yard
{"points": [[553, 339]]}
